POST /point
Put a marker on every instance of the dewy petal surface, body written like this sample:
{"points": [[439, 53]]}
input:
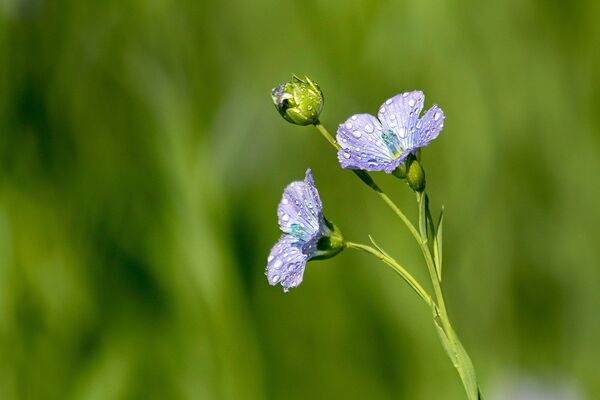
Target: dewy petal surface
{"points": [[286, 263], [363, 146], [300, 211], [429, 126], [401, 114]]}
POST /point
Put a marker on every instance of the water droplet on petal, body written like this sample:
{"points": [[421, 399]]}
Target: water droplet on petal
{"points": [[388, 101], [404, 94], [437, 116], [270, 258], [356, 134], [346, 155], [382, 110], [285, 217], [284, 201], [369, 128], [277, 264], [411, 102], [275, 278], [348, 125], [354, 118]]}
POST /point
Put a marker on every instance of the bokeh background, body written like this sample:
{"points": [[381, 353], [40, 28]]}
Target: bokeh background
{"points": [[141, 163]]}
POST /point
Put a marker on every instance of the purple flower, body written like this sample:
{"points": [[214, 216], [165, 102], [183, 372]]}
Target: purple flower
{"points": [[301, 218], [383, 143]]}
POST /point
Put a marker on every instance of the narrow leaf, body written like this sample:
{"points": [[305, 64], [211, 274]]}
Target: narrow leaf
{"points": [[460, 359], [437, 245]]}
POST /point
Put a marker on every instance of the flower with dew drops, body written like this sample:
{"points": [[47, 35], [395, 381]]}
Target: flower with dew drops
{"points": [[307, 234], [385, 142]]}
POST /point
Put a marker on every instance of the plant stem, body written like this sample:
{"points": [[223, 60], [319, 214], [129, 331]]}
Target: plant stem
{"points": [[412, 282], [327, 135]]}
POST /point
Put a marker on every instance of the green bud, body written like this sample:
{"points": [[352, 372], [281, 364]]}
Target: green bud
{"points": [[331, 243], [415, 175], [299, 101]]}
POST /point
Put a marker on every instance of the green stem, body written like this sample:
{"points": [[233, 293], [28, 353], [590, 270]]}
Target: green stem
{"points": [[327, 135], [412, 282]]}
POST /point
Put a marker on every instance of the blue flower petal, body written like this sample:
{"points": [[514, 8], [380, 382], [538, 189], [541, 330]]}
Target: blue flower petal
{"points": [[364, 146], [286, 263], [429, 126], [300, 211], [400, 114]]}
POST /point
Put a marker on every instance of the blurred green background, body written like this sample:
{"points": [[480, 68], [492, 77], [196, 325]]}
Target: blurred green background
{"points": [[141, 163]]}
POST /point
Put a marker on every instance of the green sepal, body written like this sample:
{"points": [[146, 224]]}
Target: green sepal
{"points": [[331, 243], [400, 171]]}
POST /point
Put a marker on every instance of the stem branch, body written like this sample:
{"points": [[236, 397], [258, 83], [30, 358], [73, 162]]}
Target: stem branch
{"points": [[412, 282]]}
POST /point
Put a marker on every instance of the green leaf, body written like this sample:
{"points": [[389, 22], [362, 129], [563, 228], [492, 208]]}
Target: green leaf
{"points": [[437, 245], [460, 358]]}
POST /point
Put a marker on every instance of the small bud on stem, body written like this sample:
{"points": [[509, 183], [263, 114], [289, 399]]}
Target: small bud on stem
{"points": [[299, 102], [415, 175]]}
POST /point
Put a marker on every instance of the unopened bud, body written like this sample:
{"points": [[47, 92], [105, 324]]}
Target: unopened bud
{"points": [[299, 101], [415, 175]]}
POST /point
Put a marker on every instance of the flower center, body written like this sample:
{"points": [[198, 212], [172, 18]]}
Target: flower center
{"points": [[296, 230], [391, 141]]}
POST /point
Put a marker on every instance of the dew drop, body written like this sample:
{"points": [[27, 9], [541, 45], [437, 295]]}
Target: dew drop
{"points": [[404, 94], [285, 201], [285, 217], [277, 264], [369, 128], [392, 116], [270, 259], [382, 110], [356, 134], [354, 118], [346, 155], [348, 125], [437, 116], [411, 102], [275, 278], [388, 101]]}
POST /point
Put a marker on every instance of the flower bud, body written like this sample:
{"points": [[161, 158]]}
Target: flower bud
{"points": [[415, 175], [299, 101], [331, 243]]}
